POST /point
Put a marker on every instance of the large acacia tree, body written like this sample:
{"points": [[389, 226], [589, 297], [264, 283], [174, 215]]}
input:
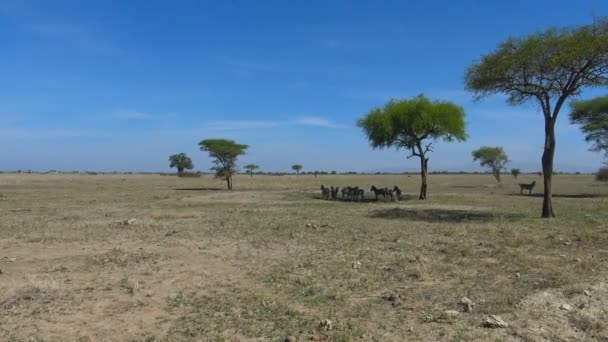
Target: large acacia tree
{"points": [[545, 68], [592, 116], [225, 154], [181, 161], [410, 123]]}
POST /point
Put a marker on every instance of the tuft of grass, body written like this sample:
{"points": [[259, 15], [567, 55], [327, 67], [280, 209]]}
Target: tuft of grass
{"points": [[122, 258]]}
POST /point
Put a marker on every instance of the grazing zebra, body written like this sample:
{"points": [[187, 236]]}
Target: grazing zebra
{"points": [[528, 187], [397, 192], [345, 192], [354, 193], [324, 192], [334, 192], [376, 191], [361, 194]]}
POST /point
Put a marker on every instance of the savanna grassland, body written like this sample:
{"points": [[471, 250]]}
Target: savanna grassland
{"points": [[271, 260]]}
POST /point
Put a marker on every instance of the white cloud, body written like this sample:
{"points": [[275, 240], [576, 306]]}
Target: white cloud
{"points": [[239, 125], [316, 121], [130, 115]]}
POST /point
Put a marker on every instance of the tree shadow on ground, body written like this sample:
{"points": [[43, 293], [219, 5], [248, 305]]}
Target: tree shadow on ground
{"points": [[561, 195], [438, 215], [199, 189], [369, 199]]}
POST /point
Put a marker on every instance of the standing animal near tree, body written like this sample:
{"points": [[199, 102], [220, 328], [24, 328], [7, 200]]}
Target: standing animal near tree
{"points": [[546, 68], [361, 194], [378, 192], [397, 192], [528, 187]]}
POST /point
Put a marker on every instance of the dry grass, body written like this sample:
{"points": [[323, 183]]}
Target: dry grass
{"points": [[271, 259]]}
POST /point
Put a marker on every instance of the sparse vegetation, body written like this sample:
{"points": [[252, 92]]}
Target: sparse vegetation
{"points": [[494, 158], [271, 260]]}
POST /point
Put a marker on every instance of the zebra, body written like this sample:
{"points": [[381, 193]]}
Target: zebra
{"points": [[397, 192], [361, 194], [376, 191], [324, 192], [334, 192], [528, 187]]}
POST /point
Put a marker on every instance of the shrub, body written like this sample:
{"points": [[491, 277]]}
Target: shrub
{"points": [[602, 175]]}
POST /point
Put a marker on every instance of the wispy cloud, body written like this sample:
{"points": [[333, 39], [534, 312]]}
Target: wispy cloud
{"points": [[76, 36], [317, 121], [18, 134], [239, 125], [130, 115]]}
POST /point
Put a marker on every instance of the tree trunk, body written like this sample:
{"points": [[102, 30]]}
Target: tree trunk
{"points": [[228, 183], [180, 171], [251, 174], [547, 161], [423, 172]]}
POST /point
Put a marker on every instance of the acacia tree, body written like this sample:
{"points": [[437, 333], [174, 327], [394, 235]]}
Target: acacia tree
{"points": [[494, 158], [225, 153], [515, 172], [546, 68], [592, 116], [250, 168], [297, 168], [182, 162], [409, 123]]}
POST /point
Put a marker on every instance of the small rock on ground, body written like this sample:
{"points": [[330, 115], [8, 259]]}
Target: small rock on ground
{"points": [[494, 322], [467, 304]]}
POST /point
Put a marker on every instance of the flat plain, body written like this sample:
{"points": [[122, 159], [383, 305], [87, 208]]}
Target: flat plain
{"points": [[160, 258]]}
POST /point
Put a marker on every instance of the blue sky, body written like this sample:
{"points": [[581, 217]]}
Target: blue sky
{"points": [[121, 85]]}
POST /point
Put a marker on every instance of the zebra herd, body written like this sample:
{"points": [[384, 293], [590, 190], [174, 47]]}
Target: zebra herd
{"points": [[354, 193]]}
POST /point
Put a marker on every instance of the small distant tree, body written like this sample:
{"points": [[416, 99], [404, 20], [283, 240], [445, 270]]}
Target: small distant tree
{"points": [[409, 123], [250, 168], [493, 158], [297, 168], [602, 175], [182, 162], [225, 154], [515, 172], [546, 68], [592, 116]]}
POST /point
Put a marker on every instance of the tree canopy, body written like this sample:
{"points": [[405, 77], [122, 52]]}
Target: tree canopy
{"points": [[592, 116], [515, 172], [225, 154], [181, 161], [250, 168], [493, 158], [547, 68], [297, 168], [407, 124]]}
